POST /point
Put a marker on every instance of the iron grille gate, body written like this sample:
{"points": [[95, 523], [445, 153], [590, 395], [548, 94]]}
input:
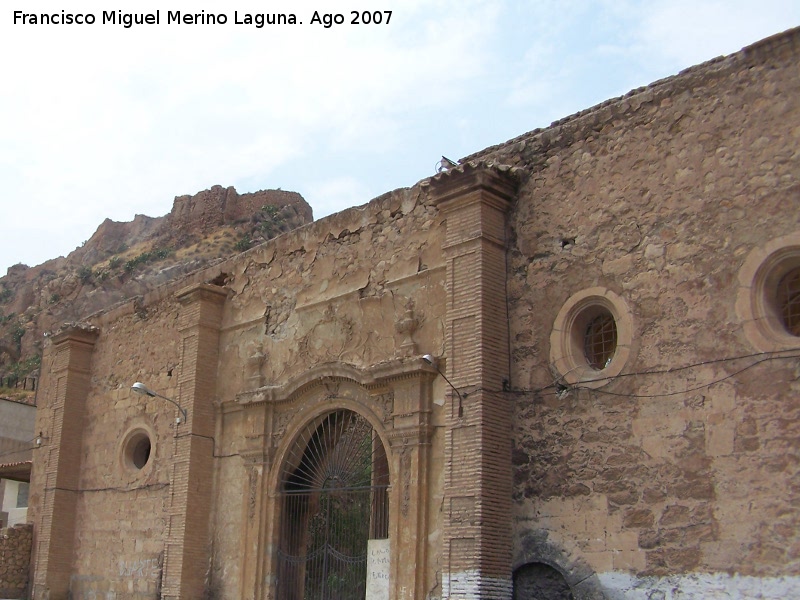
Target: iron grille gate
{"points": [[334, 499]]}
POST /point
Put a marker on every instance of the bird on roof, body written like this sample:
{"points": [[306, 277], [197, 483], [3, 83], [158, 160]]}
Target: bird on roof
{"points": [[445, 164]]}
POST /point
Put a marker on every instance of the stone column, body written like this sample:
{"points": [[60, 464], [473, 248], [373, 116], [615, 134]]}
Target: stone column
{"points": [[410, 440], [57, 462], [186, 559], [257, 457], [477, 498]]}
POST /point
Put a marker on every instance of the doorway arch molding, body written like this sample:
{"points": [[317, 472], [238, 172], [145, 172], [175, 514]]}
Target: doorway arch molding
{"points": [[395, 398], [537, 546], [298, 425]]}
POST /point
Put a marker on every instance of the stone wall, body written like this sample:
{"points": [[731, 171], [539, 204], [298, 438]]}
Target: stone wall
{"points": [[333, 292], [15, 558], [669, 469], [682, 462]]}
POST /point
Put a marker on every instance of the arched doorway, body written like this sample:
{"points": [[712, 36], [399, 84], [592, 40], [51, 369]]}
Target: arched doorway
{"points": [[538, 581], [334, 499]]}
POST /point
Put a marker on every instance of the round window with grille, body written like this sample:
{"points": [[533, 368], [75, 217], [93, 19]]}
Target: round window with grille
{"points": [[591, 338], [788, 301], [768, 299], [600, 340]]}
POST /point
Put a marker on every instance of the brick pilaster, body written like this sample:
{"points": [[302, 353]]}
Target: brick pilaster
{"points": [[478, 483], [57, 462], [186, 558]]}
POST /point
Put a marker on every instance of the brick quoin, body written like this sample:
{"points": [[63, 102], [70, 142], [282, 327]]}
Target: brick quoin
{"points": [[187, 549], [477, 536], [56, 482]]}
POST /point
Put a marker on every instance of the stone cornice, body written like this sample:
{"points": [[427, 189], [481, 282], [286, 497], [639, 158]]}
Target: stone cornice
{"points": [[418, 434], [455, 186], [375, 379], [203, 291], [75, 332]]}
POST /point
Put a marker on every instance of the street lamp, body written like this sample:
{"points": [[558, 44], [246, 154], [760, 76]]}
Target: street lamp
{"points": [[141, 388], [434, 362]]}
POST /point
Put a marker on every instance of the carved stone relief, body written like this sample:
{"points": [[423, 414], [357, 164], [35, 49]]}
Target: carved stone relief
{"points": [[328, 338], [406, 326], [384, 404], [281, 422], [405, 480], [252, 487], [252, 371]]}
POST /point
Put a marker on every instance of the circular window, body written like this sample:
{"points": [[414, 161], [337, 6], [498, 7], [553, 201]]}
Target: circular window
{"points": [[137, 449], [789, 301], [768, 301], [591, 338]]}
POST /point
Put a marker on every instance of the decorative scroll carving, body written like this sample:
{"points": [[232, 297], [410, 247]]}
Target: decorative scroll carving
{"points": [[384, 403], [328, 339], [331, 388], [281, 423]]}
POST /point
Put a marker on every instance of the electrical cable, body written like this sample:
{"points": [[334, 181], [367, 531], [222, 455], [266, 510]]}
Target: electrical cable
{"points": [[776, 354], [155, 486], [559, 387], [18, 450], [693, 389]]}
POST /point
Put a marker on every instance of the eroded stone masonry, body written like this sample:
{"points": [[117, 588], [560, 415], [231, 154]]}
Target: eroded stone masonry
{"points": [[565, 368]]}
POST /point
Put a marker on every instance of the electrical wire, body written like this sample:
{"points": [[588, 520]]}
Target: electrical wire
{"points": [[693, 389], [213, 443], [148, 486], [693, 365], [559, 387], [18, 450]]}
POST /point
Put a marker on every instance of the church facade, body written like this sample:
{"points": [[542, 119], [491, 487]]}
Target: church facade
{"points": [[565, 367]]}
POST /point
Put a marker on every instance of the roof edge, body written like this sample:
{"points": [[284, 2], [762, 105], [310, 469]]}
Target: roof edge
{"points": [[756, 52]]}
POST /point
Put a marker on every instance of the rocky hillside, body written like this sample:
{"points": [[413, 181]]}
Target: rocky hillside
{"points": [[123, 260]]}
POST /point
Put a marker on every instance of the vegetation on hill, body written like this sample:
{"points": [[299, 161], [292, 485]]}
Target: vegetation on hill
{"points": [[123, 260]]}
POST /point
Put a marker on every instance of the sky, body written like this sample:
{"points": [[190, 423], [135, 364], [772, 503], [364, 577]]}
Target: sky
{"points": [[106, 121]]}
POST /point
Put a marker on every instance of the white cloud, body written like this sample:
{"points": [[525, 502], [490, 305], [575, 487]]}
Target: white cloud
{"points": [[582, 52], [111, 121], [329, 196], [687, 32], [103, 121]]}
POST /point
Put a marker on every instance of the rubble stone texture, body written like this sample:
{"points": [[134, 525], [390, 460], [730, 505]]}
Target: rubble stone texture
{"points": [[669, 472], [15, 558]]}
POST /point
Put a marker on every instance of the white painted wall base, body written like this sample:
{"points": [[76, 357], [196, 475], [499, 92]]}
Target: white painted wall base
{"points": [[8, 504], [709, 586], [471, 585]]}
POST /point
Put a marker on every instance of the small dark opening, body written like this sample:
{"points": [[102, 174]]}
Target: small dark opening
{"points": [[219, 280], [141, 453], [538, 581]]}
